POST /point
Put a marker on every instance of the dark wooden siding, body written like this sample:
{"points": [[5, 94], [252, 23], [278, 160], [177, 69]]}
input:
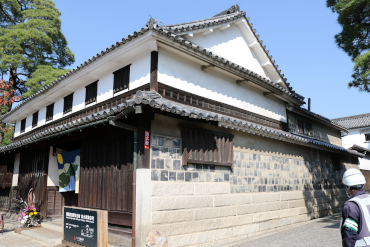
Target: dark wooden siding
{"points": [[202, 146], [106, 175], [5, 198], [55, 202], [6, 170], [33, 170]]}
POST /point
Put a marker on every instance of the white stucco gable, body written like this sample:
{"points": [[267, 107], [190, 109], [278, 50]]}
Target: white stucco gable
{"points": [[236, 42]]}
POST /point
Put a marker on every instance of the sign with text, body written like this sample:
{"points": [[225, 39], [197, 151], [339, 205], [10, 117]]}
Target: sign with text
{"points": [[81, 226], [146, 140]]}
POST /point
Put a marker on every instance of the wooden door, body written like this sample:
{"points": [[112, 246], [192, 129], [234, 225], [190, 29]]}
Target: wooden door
{"points": [[106, 175], [32, 180]]}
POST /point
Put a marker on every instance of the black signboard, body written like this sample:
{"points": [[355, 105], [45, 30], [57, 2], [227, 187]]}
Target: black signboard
{"points": [[80, 226]]}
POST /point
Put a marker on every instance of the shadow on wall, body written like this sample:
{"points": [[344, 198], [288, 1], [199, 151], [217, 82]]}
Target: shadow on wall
{"points": [[272, 167]]}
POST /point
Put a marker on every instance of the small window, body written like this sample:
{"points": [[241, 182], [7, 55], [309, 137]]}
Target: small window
{"points": [[35, 119], [336, 162], [49, 112], [23, 125], [300, 126], [121, 79], [91, 93], [308, 129], [367, 137], [202, 146], [304, 128], [68, 102]]}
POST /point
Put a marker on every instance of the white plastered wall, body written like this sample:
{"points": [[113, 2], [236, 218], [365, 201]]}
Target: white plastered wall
{"points": [[357, 137], [143, 206], [53, 173], [17, 159], [139, 75], [231, 44], [185, 75]]}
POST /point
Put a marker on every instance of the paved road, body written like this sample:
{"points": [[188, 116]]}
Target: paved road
{"points": [[320, 232]]}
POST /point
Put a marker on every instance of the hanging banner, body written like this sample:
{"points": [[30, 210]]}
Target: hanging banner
{"points": [[146, 140], [69, 170]]}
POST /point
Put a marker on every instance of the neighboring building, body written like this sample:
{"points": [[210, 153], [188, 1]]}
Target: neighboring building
{"points": [[188, 129], [358, 138]]}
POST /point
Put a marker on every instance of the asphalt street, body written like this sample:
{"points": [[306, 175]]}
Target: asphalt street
{"points": [[320, 232]]}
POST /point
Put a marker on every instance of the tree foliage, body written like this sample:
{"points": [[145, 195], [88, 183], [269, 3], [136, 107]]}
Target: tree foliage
{"points": [[7, 98], [354, 39], [33, 50], [8, 135]]}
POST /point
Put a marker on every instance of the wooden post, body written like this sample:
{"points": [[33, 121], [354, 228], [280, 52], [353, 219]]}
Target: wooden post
{"points": [[154, 71]]}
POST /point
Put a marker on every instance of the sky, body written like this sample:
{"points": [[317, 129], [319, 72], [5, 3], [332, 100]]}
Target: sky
{"points": [[298, 34]]}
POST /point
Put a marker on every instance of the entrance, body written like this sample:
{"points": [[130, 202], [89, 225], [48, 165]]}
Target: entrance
{"points": [[106, 174]]}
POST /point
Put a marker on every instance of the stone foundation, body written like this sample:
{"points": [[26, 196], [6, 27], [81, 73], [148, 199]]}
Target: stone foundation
{"points": [[208, 214]]}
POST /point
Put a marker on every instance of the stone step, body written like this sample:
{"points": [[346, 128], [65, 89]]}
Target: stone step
{"points": [[44, 235], [53, 225]]}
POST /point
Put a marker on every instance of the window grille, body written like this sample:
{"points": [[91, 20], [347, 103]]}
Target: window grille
{"points": [[202, 146], [35, 119], [91, 93], [68, 102], [121, 79], [23, 125], [49, 112]]}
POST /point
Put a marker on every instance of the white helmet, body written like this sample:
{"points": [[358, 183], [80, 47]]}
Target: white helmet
{"points": [[353, 177]]}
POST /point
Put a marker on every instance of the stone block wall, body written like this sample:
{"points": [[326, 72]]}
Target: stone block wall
{"points": [[271, 185], [208, 214], [252, 171]]}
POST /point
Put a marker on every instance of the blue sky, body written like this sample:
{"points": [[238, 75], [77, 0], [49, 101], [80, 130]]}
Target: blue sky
{"points": [[298, 34]]}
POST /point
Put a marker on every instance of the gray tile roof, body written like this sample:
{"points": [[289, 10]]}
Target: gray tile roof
{"points": [[155, 100], [169, 32], [359, 148], [353, 122]]}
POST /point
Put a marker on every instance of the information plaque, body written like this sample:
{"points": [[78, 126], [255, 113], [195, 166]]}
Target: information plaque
{"points": [[81, 226]]}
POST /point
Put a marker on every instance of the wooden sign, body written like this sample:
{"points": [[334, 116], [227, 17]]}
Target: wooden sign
{"points": [[84, 226]]}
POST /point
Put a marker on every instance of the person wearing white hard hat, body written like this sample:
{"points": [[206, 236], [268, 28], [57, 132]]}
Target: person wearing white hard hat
{"points": [[355, 224]]}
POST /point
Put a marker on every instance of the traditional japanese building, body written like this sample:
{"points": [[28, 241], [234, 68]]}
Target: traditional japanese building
{"points": [[358, 138], [187, 129]]}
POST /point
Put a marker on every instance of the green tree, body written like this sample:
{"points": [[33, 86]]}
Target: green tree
{"points": [[8, 135], [354, 39], [33, 49]]}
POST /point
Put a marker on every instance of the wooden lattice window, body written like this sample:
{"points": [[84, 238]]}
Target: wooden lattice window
{"points": [[201, 146], [23, 125], [91, 93], [121, 79], [35, 119], [49, 112], [300, 126], [304, 128], [68, 102]]}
